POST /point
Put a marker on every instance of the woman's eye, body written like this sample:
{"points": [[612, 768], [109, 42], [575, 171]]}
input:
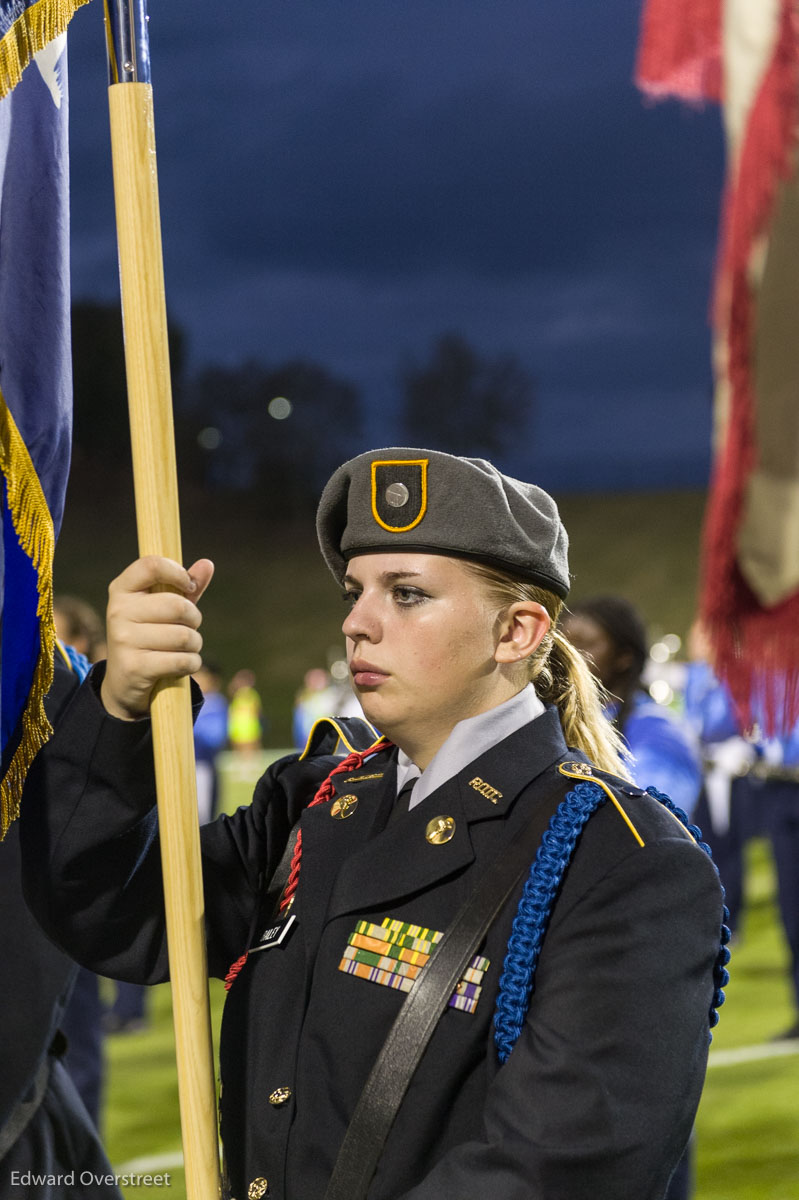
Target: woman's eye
{"points": [[408, 596], [349, 598]]}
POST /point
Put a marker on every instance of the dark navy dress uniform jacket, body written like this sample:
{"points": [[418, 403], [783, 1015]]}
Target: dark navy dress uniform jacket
{"points": [[47, 1138], [598, 1097]]}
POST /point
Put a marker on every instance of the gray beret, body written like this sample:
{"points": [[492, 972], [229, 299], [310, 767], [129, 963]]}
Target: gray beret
{"points": [[425, 501]]}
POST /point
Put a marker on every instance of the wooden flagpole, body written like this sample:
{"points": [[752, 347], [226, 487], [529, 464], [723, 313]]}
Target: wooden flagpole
{"points": [[158, 522]]}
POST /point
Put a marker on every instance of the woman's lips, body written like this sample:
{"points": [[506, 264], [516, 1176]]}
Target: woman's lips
{"points": [[364, 674]]}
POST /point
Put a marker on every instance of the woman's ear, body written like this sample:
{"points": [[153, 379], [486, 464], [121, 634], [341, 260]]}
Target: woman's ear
{"points": [[521, 631]]}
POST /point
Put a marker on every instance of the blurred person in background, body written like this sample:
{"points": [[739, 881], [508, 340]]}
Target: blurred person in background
{"points": [[612, 637], [245, 715], [79, 625], [210, 737], [774, 783], [725, 810], [751, 789], [316, 698], [321, 696]]}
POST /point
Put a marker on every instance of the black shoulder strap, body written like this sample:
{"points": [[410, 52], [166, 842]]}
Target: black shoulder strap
{"points": [[413, 1027]]}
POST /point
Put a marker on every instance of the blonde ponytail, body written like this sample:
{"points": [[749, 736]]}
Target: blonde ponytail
{"points": [[560, 674], [579, 698]]}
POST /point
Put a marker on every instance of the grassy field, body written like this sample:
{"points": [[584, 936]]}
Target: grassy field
{"points": [[748, 1125]]}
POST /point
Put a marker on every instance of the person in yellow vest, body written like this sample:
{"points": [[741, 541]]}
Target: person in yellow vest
{"points": [[245, 722]]}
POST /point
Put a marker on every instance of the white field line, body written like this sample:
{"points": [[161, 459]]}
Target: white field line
{"points": [[747, 1054], [151, 1163], [718, 1058]]}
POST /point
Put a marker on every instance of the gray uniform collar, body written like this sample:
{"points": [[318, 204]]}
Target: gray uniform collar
{"points": [[468, 741]]}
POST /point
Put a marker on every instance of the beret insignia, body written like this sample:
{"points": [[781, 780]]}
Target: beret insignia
{"points": [[399, 493]]}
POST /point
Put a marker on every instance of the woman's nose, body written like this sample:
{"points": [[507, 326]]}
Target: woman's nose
{"points": [[360, 621]]}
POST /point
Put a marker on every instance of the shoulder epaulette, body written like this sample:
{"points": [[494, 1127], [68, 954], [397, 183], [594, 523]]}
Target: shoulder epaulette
{"points": [[339, 735], [612, 784], [585, 772]]}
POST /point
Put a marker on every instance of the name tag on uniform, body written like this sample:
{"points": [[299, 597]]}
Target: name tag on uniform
{"points": [[275, 935]]}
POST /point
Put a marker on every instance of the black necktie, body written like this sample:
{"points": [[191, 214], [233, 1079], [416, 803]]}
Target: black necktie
{"points": [[403, 798]]}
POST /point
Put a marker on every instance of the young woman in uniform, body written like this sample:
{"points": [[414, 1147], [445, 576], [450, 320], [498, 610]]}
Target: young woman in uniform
{"points": [[566, 1059]]}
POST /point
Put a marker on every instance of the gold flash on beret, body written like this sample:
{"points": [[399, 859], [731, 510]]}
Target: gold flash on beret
{"points": [[399, 493]]}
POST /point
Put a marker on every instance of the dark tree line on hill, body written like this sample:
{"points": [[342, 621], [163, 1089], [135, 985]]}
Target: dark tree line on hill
{"points": [[276, 432]]}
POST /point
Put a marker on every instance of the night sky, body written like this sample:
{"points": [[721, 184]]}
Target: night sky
{"points": [[345, 180]]}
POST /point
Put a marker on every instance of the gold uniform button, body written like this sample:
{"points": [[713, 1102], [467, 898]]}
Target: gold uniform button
{"points": [[280, 1096], [258, 1188], [344, 807], [440, 830]]}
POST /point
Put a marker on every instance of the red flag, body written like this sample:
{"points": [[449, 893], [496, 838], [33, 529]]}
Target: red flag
{"points": [[746, 54]]}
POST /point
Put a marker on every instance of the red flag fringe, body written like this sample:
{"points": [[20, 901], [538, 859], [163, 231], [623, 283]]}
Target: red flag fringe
{"points": [[757, 649], [680, 49]]}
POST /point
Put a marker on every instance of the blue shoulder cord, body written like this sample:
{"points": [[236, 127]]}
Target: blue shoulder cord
{"points": [[532, 916]]}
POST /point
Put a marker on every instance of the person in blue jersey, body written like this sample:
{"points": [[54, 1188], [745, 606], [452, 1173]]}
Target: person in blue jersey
{"points": [[610, 633], [210, 738], [727, 810], [562, 1051], [757, 781], [774, 788]]}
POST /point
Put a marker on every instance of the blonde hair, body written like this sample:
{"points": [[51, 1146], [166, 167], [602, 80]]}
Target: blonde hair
{"points": [[560, 674]]}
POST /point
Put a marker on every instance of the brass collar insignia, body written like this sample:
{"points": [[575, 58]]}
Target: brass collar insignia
{"points": [[485, 789]]}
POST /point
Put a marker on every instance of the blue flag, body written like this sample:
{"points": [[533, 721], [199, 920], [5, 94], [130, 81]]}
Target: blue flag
{"points": [[35, 366]]}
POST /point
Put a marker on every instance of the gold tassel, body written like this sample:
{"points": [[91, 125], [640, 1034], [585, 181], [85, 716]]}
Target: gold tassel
{"points": [[30, 33], [34, 528]]}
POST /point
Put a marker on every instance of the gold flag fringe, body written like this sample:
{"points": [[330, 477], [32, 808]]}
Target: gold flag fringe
{"points": [[30, 33], [34, 528]]}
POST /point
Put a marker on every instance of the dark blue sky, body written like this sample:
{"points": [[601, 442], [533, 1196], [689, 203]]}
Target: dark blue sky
{"points": [[347, 179]]}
